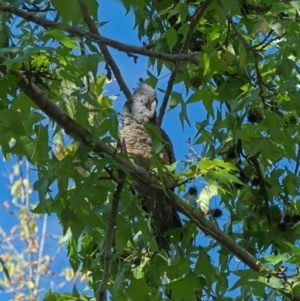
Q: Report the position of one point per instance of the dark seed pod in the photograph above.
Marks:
(281, 226)
(196, 82)
(287, 218)
(217, 212)
(292, 120)
(252, 118)
(192, 191)
(231, 154)
(255, 182)
(254, 115)
(296, 218)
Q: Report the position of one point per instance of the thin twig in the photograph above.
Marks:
(269, 42)
(46, 8)
(88, 81)
(197, 16)
(262, 42)
(101, 296)
(226, 42)
(104, 178)
(298, 160)
(10, 245)
(135, 57)
(41, 252)
(108, 58)
(188, 180)
(111, 174)
(43, 9)
(192, 58)
(197, 156)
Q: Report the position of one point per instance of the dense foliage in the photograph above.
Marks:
(240, 60)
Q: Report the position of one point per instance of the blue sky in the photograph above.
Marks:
(119, 27)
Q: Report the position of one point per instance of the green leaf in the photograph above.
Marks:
(13, 121)
(285, 68)
(175, 99)
(63, 39)
(138, 289)
(183, 115)
(289, 184)
(184, 288)
(81, 191)
(119, 282)
(274, 259)
(5, 270)
(157, 141)
(183, 12)
(206, 63)
(197, 96)
(69, 13)
(272, 281)
(224, 177)
(267, 147)
(225, 165)
(73, 253)
(36, 150)
(171, 36)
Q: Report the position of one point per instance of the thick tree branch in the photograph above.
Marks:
(192, 58)
(197, 16)
(109, 237)
(108, 58)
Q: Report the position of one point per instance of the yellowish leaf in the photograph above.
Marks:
(30, 284)
(228, 57)
(263, 27)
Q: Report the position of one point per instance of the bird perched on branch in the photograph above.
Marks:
(138, 111)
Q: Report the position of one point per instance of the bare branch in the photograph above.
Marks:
(262, 42)
(108, 58)
(46, 8)
(262, 45)
(41, 251)
(192, 58)
(111, 175)
(197, 16)
(109, 237)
